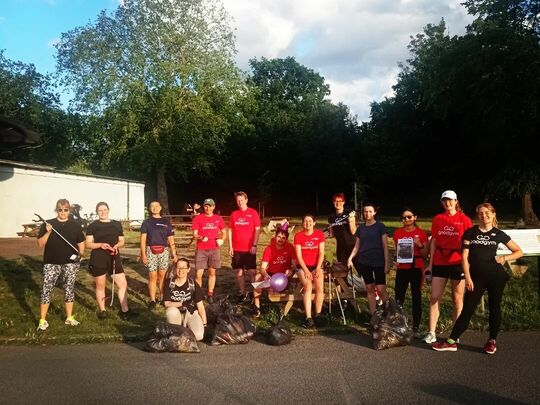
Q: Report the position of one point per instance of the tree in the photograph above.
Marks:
(160, 78)
(29, 97)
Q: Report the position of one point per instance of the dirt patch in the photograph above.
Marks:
(11, 248)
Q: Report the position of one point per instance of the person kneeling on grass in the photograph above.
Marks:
(483, 271)
(183, 299)
(278, 257)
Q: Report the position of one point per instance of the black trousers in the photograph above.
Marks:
(404, 277)
(494, 280)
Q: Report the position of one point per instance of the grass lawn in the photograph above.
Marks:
(20, 282)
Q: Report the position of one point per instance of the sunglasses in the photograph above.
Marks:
(404, 217)
(62, 210)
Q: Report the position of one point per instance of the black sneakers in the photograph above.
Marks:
(309, 324)
(102, 315)
(152, 305)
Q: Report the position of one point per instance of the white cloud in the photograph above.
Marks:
(355, 45)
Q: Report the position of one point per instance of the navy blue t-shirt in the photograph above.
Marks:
(157, 231)
(371, 248)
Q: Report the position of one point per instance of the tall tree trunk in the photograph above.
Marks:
(161, 183)
(527, 210)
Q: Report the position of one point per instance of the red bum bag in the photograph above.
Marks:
(157, 249)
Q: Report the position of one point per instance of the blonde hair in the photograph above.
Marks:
(491, 208)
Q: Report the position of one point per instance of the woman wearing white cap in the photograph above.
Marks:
(447, 230)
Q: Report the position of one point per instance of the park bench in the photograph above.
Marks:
(336, 288)
(29, 230)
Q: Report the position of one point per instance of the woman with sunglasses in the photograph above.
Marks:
(63, 240)
(105, 237)
(483, 271)
(183, 299)
(447, 229)
(372, 255)
(410, 235)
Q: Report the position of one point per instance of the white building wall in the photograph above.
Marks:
(24, 192)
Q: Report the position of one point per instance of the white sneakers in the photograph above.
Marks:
(71, 321)
(43, 325)
(430, 338)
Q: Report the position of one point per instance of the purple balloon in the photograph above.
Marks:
(278, 282)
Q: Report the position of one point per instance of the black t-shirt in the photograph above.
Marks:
(342, 232)
(104, 232)
(57, 251)
(183, 294)
(483, 246)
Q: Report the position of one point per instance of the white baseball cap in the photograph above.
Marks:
(449, 194)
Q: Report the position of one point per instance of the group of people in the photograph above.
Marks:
(456, 250)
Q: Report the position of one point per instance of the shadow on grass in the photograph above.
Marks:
(19, 278)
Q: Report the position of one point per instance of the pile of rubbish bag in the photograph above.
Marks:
(389, 326)
(228, 326)
(172, 338)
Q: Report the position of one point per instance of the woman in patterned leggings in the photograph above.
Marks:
(60, 260)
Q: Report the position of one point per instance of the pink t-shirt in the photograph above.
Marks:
(448, 231)
(279, 260)
(309, 245)
(243, 224)
(209, 227)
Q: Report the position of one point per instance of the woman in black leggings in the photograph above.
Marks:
(410, 236)
(483, 271)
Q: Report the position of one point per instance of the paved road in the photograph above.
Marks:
(311, 370)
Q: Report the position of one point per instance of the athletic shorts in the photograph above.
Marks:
(371, 274)
(453, 272)
(207, 258)
(310, 268)
(157, 262)
(98, 268)
(244, 261)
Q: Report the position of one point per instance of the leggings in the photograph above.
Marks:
(494, 282)
(51, 273)
(192, 321)
(414, 277)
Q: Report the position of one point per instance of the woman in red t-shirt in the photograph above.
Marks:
(447, 229)
(309, 246)
(410, 235)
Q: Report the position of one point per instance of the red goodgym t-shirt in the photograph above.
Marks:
(243, 224)
(309, 245)
(209, 227)
(448, 231)
(401, 233)
(279, 260)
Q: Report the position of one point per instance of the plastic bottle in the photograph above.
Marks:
(427, 276)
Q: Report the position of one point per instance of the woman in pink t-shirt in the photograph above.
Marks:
(309, 246)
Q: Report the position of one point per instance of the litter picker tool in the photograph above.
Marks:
(73, 257)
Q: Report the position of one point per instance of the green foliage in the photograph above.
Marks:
(160, 80)
(29, 97)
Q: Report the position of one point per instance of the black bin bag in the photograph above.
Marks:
(389, 326)
(279, 334)
(172, 338)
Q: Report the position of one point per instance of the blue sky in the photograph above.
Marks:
(355, 44)
(29, 28)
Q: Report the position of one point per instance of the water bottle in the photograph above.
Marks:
(427, 276)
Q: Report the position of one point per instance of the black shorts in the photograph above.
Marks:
(244, 261)
(371, 274)
(100, 267)
(453, 272)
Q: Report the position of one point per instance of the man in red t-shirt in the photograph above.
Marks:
(244, 229)
(278, 257)
(209, 232)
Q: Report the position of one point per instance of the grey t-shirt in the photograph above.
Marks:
(371, 248)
